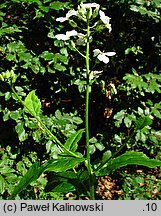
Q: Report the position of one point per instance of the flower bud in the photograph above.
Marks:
(8, 76)
(73, 44)
(72, 23)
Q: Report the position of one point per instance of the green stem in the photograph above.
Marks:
(125, 142)
(79, 52)
(90, 171)
(47, 131)
(81, 182)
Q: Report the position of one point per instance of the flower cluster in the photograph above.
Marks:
(85, 12)
(8, 76)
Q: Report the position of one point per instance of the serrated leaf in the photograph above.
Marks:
(142, 122)
(32, 103)
(128, 158)
(62, 164)
(71, 143)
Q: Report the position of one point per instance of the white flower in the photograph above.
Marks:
(66, 36)
(85, 8)
(103, 56)
(96, 52)
(82, 39)
(68, 15)
(105, 19)
(71, 13)
(61, 19)
(62, 37)
(90, 5)
(92, 74)
(71, 33)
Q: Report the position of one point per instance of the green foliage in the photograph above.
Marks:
(29, 177)
(11, 172)
(140, 186)
(128, 158)
(72, 142)
(45, 111)
(32, 103)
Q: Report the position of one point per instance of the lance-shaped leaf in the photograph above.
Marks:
(129, 158)
(71, 143)
(32, 103)
(62, 164)
(31, 175)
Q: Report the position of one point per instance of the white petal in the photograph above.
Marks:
(61, 37)
(97, 72)
(81, 38)
(90, 5)
(103, 57)
(96, 52)
(80, 35)
(105, 19)
(110, 53)
(71, 13)
(101, 13)
(71, 33)
(61, 19)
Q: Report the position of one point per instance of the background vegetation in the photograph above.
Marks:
(44, 64)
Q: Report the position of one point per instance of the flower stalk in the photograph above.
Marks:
(91, 178)
(87, 12)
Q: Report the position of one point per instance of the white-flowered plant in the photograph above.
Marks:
(87, 24)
